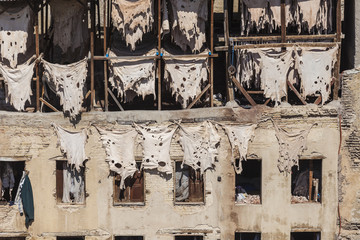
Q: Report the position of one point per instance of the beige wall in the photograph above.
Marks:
(31, 135)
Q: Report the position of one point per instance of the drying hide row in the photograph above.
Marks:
(310, 16)
(187, 19)
(270, 69)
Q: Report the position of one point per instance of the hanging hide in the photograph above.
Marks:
(274, 73)
(156, 147)
(67, 81)
(248, 67)
(291, 145)
(200, 145)
(16, 32)
(255, 15)
(73, 185)
(188, 20)
(120, 152)
(185, 77)
(133, 18)
(133, 77)
(71, 34)
(315, 67)
(72, 146)
(239, 137)
(18, 83)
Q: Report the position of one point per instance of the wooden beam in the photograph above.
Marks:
(279, 45)
(37, 70)
(283, 22)
(243, 91)
(318, 100)
(267, 101)
(296, 92)
(105, 63)
(229, 87)
(212, 51)
(115, 99)
(92, 66)
(198, 97)
(338, 39)
(311, 173)
(278, 38)
(49, 105)
(159, 61)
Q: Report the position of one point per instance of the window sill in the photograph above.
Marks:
(188, 203)
(247, 204)
(129, 204)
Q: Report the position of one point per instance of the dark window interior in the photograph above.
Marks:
(12, 238)
(189, 184)
(71, 238)
(10, 176)
(306, 181)
(247, 236)
(134, 188)
(248, 183)
(189, 237)
(305, 236)
(129, 238)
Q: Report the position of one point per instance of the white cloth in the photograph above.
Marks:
(185, 77)
(18, 200)
(200, 145)
(291, 145)
(120, 152)
(132, 18)
(72, 146)
(133, 77)
(73, 185)
(67, 81)
(156, 147)
(18, 83)
(315, 66)
(16, 32)
(188, 23)
(239, 137)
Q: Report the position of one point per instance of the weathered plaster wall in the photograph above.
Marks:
(30, 135)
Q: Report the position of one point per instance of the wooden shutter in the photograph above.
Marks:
(137, 187)
(59, 180)
(196, 186)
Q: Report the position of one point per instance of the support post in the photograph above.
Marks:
(37, 46)
(338, 39)
(212, 52)
(159, 50)
(311, 174)
(229, 86)
(283, 36)
(105, 62)
(92, 68)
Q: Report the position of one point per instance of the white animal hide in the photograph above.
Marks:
(18, 83)
(133, 77)
(200, 145)
(72, 146)
(315, 66)
(185, 77)
(156, 147)
(188, 23)
(248, 67)
(67, 81)
(70, 25)
(73, 185)
(16, 33)
(239, 137)
(132, 18)
(120, 152)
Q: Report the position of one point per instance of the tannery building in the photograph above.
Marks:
(179, 119)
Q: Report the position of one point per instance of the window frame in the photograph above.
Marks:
(116, 237)
(17, 178)
(246, 233)
(314, 232)
(189, 235)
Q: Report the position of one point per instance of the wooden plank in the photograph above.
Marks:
(243, 91)
(105, 62)
(126, 57)
(229, 86)
(92, 50)
(279, 45)
(199, 96)
(115, 99)
(49, 105)
(296, 92)
(267, 101)
(338, 39)
(212, 51)
(311, 173)
(278, 38)
(159, 61)
(255, 92)
(318, 100)
(37, 70)
(283, 22)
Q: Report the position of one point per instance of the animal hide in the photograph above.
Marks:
(16, 32)
(73, 185)
(18, 83)
(274, 73)
(182, 184)
(156, 147)
(133, 77)
(200, 146)
(248, 67)
(185, 77)
(291, 145)
(120, 152)
(239, 137)
(70, 28)
(315, 67)
(188, 20)
(67, 81)
(132, 18)
(72, 146)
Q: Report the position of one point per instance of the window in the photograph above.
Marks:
(70, 184)
(10, 176)
(305, 236)
(71, 238)
(134, 188)
(247, 236)
(189, 237)
(306, 182)
(189, 184)
(129, 238)
(248, 183)
(12, 238)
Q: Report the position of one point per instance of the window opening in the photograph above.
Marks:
(305, 236)
(10, 176)
(12, 238)
(248, 183)
(189, 237)
(71, 238)
(247, 236)
(306, 182)
(134, 188)
(189, 184)
(129, 238)
(70, 184)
